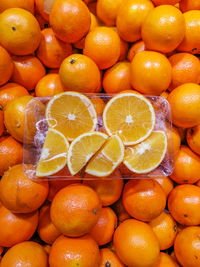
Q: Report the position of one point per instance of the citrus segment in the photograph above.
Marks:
(130, 116)
(83, 148)
(54, 154)
(146, 156)
(105, 161)
(72, 114)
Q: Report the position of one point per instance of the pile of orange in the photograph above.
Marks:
(126, 50)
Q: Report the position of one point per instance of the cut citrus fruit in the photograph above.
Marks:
(106, 160)
(146, 156)
(72, 114)
(83, 148)
(130, 116)
(54, 154)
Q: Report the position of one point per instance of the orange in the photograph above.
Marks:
(191, 41)
(163, 29)
(1, 122)
(28, 5)
(143, 199)
(42, 6)
(147, 65)
(10, 91)
(81, 66)
(26, 254)
(186, 166)
(99, 105)
(109, 258)
(123, 47)
(186, 5)
(81, 251)
(73, 13)
(117, 78)
(92, 6)
(10, 153)
(185, 69)
(28, 70)
(184, 108)
(107, 11)
(6, 66)
(165, 94)
(20, 31)
(16, 228)
(165, 2)
(102, 45)
(48, 85)
(136, 48)
(174, 139)
(130, 18)
(42, 22)
(136, 244)
(165, 229)
(193, 138)
(120, 211)
(184, 204)
(187, 246)
(19, 193)
(78, 219)
(103, 230)
(46, 230)
(166, 260)
(51, 50)
(166, 184)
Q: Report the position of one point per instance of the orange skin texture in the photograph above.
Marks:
(123, 50)
(104, 53)
(49, 85)
(174, 141)
(51, 50)
(184, 204)
(185, 69)
(19, 193)
(28, 4)
(117, 78)
(135, 48)
(6, 66)
(186, 5)
(165, 2)
(67, 252)
(11, 153)
(77, 219)
(1, 122)
(20, 31)
(129, 251)
(163, 29)
(187, 246)
(184, 108)
(147, 65)
(28, 70)
(120, 211)
(74, 11)
(193, 139)
(136, 202)
(10, 91)
(109, 257)
(16, 228)
(39, 4)
(191, 41)
(166, 260)
(99, 105)
(46, 229)
(165, 228)
(81, 66)
(166, 184)
(27, 254)
(104, 229)
(131, 15)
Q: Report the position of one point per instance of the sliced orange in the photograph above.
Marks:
(83, 148)
(72, 114)
(131, 116)
(106, 160)
(146, 156)
(54, 154)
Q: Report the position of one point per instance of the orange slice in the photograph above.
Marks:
(54, 154)
(130, 116)
(146, 156)
(72, 114)
(106, 160)
(83, 148)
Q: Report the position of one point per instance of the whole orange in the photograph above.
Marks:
(109, 258)
(6, 66)
(135, 48)
(186, 5)
(193, 138)
(28, 4)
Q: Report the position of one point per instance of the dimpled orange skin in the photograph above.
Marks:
(147, 65)
(163, 29)
(187, 246)
(184, 204)
(193, 139)
(136, 48)
(20, 31)
(186, 5)
(70, 20)
(131, 252)
(109, 257)
(81, 251)
(184, 108)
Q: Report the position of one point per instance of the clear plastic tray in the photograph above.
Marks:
(36, 124)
